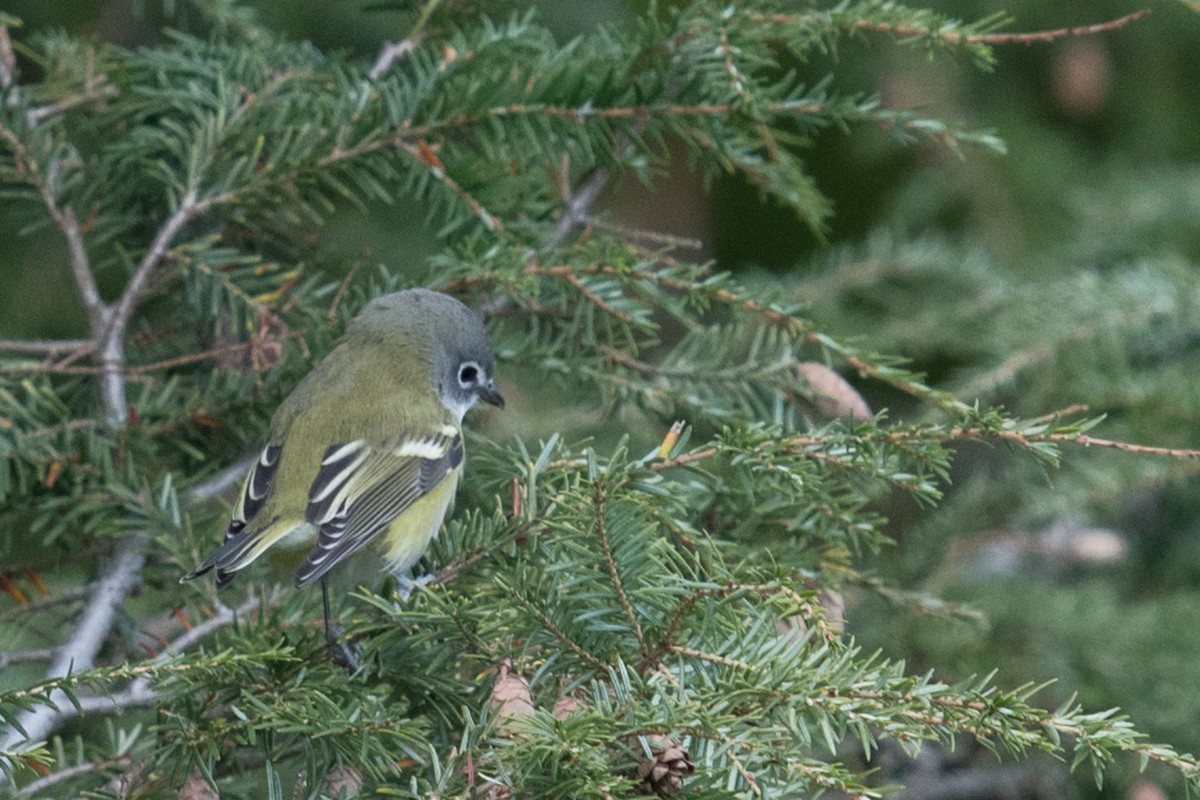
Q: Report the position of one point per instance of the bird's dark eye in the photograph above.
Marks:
(468, 374)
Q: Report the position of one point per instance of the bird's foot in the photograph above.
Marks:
(344, 654)
(405, 585)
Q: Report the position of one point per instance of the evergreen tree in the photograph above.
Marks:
(620, 605)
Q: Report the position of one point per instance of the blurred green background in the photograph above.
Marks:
(1063, 273)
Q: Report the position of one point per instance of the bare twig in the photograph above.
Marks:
(666, 240)
(24, 656)
(139, 692)
(389, 54)
(108, 324)
(111, 339)
(222, 481)
(578, 208)
(8, 60)
(48, 347)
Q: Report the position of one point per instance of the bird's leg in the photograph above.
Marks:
(406, 585)
(330, 639)
(342, 653)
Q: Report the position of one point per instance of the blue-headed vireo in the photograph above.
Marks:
(368, 446)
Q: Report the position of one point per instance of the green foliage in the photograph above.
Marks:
(681, 598)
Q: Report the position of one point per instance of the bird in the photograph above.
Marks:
(368, 447)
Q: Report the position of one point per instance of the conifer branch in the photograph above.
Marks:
(91, 94)
(554, 630)
(78, 653)
(42, 720)
(60, 597)
(427, 157)
(614, 574)
(68, 225)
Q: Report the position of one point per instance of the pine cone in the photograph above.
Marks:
(196, 788)
(830, 393)
(511, 697)
(663, 775)
(343, 782)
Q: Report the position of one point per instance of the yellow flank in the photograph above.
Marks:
(402, 542)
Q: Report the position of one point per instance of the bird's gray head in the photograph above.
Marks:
(459, 350)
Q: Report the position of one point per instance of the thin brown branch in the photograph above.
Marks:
(408, 137)
(596, 299)
(582, 115)
(343, 287)
(685, 606)
(59, 368)
(955, 37)
(896, 437)
(60, 597)
(54, 778)
(667, 240)
(1058, 33)
(746, 774)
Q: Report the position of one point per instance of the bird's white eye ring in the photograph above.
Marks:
(468, 374)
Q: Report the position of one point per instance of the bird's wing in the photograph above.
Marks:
(361, 487)
(235, 547)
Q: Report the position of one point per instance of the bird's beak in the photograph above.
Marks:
(490, 395)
